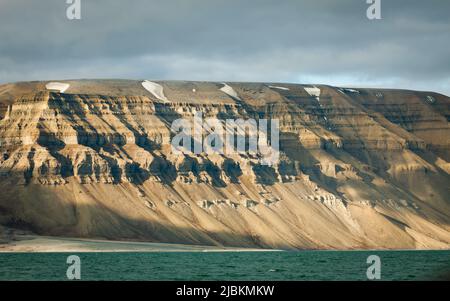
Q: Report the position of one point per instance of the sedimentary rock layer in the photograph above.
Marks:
(358, 168)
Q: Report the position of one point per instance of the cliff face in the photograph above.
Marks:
(358, 168)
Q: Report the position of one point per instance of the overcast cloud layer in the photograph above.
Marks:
(322, 41)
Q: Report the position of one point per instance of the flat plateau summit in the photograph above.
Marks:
(358, 168)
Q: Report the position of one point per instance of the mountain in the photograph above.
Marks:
(357, 169)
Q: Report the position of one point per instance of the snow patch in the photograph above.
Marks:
(156, 89)
(61, 87)
(313, 91)
(279, 88)
(348, 90)
(229, 90)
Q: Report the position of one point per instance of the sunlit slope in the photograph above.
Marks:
(359, 168)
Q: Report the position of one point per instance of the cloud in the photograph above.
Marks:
(326, 41)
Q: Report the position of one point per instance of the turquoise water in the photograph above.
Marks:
(303, 265)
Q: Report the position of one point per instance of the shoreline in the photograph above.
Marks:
(54, 244)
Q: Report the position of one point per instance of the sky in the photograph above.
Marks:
(318, 41)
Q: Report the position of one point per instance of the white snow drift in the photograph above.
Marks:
(229, 90)
(348, 90)
(156, 89)
(313, 91)
(61, 87)
(279, 88)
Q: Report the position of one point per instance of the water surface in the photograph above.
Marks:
(302, 265)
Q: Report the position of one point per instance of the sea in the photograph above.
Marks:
(230, 265)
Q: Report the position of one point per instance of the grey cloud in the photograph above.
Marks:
(260, 40)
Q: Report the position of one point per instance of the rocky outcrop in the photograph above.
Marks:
(96, 160)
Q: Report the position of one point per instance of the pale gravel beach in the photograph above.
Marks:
(33, 243)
